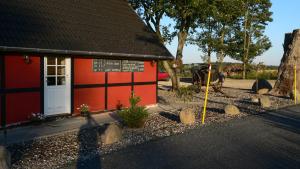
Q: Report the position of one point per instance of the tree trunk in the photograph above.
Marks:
(245, 56)
(182, 35)
(209, 55)
(221, 54)
(244, 70)
(172, 74)
(291, 57)
(166, 64)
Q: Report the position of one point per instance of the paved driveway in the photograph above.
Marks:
(265, 141)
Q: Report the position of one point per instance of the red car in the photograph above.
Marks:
(162, 75)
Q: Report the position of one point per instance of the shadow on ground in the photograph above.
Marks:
(88, 140)
(170, 116)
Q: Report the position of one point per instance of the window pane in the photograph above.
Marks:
(61, 80)
(61, 70)
(51, 81)
(51, 70)
(51, 61)
(61, 61)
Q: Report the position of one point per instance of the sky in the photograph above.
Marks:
(286, 18)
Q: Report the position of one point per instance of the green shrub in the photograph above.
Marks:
(265, 74)
(186, 93)
(134, 116)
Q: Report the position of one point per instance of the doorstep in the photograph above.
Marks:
(30, 132)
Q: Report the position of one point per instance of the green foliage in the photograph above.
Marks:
(234, 28)
(152, 12)
(266, 74)
(186, 93)
(249, 34)
(135, 115)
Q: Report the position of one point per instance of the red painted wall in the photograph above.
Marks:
(119, 77)
(21, 75)
(84, 74)
(118, 95)
(93, 97)
(147, 93)
(149, 73)
(19, 106)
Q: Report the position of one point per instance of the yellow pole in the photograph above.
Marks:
(295, 83)
(206, 95)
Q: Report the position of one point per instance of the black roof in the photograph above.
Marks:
(78, 27)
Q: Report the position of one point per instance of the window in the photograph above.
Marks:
(56, 71)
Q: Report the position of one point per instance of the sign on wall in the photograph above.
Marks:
(103, 65)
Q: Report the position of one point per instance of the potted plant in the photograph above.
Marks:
(36, 118)
(84, 110)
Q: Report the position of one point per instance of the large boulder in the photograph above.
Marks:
(112, 134)
(264, 101)
(187, 116)
(5, 158)
(261, 86)
(231, 110)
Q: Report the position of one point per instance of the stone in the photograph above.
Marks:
(264, 101)
(112, 134)
(262, 84)
(231, 110)
(254, 99)
(187, 116)
(5, 158)
(263, 91)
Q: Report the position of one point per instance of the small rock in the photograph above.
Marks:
(187, 116)
(112, 134)
(263, 91)
(5, 158)
(231, 110)
(265, 101)
(254, 99)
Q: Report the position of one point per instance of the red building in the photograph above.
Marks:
(57, 55)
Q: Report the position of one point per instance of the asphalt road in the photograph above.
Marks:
(268, 141)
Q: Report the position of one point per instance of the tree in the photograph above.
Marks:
(226, 19)
(152, 12)
(185, 13)
(205, 36)
(215, 28)
(256, 16)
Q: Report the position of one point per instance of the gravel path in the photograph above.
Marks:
(56, 151)
(265, 141)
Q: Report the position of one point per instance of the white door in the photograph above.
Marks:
(57, 88)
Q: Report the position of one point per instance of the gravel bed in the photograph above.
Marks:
(57, 151)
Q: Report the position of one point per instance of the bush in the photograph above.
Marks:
(134, 116)
(187, 93)
(265, 74)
